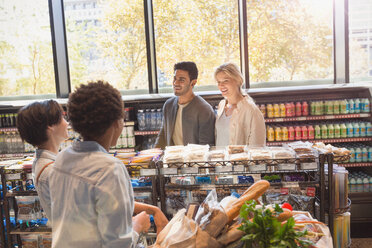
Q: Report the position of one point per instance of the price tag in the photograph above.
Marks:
(309, 166)
(279, 120)
(302, 118)
(227, 168)
(329, 117)
(310, 191)
(284, 191)
(16, 176)
(148, 172)
(190, 170)
(239, 167)
(168, 171)
(291, 185)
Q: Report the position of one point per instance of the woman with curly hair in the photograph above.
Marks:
(91, 192)
(42, 125)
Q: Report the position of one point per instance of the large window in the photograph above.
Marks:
(106, 40)
(290, 42)
(360, 40)
(206, 32)
(26, 57)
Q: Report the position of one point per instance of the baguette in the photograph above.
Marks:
(252, 193)
(285, 215)
(231, 235)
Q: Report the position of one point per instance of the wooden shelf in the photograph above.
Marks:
(341, 140)
(318, 117)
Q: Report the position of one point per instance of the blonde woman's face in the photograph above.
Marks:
(227, 85)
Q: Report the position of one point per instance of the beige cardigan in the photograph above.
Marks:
(247, 125)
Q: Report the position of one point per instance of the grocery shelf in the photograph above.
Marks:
(128, 123)
(32, 230)
(15, 155)
(341, 140)
(21, 193)
(143, 189)
(318, 117)
(366, 164)
(234, 186)
(8, 129)
(141, 133)
(121, 150)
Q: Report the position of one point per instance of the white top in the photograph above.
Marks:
(92, 199)
(247, 125)
(177, 133)
(222, 125)
(42, 158)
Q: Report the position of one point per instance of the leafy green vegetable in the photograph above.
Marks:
(265, 231)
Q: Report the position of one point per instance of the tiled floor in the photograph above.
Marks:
(361, 243)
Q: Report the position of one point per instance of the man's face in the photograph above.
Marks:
(181, 83)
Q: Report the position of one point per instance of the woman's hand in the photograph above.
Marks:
(160, 220)
(141, 222)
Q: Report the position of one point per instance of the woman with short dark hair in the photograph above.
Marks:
(42, 125)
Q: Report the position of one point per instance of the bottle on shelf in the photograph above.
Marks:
(270, 110)
(284, 133)
(356, 129)
(324, 131)
(351, 106)
(288, 109)
(310, 131)
(263, 110)
(369, 129)
(329, 107)
(298, 108)
(305, 108)
(298, 133)
(362, 128)
(304, 133)
(337, 131)
(350, 130)
(312, 108)
(291, 133)
(331, 131)
(357, 105)
(364, 154)
(141, 119)
(343, 130)
(336, 107)
(343, 107)
(282, 110)
(276, 110)
(317, 132)
(278, 134)
(358, 155)
(366, 106)
(270, 134)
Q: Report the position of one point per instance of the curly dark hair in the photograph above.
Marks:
(92, 108)
(188, 66)
(34, 119)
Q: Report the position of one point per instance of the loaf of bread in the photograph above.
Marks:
(232, 234)
(285, 215)
(252, 193)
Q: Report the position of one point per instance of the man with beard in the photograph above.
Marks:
(188, 118)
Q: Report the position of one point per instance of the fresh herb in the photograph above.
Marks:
(265, 231)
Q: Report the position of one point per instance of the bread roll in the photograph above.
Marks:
(285, 215)
(253, 192)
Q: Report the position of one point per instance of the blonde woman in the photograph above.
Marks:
(239, 121)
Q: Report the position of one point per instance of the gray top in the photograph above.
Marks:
(222, 127)
(198, 121)
(92, 199)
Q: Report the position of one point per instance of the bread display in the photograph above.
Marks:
(232, 149)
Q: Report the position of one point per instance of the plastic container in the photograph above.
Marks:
(324, 131)
(284, 133)
(282, 110)
(288, 109)
(356, 129)
(343, 131)
(337, 131)
(351, 106)
(304, 133)
(270, 110)
(349, 130)
(311, 134)
(305, 108)
(276, 110)
(343, 107)
(270, 134)
(357, 105)
(298, 109)
(317, 132)
(331, 131)
(366, 106)
(291, 133)
(369, 129)
(278, 134)
(298, 133)
(336, 107)
(141, 120)
(364, 154)
(362, 128)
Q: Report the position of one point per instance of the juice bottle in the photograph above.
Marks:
(357, 105)
(304, 133)
(263, 110)
(347, 106)
(322, 107)
(318, 108)
(324, 131)
(270, 110)
(358, 155)
(369, 129)
(351, 106)
(367, 105)
(311, 133)
(284, 134)
(298, 133)
(362, 127)
(329, 107)
(337, 131)
(364, 154)
(298, 109)
(352, 155)
(336, 107)
(331, 131)
(370, 154)
(343, 107)
(288, 109)
(278, 134)
(318, 133)
(343, 130)
(270, 134)
(356, 131)
(349, 130)
(276, 110)
(282, 110)
(291, 133)
(305, 108)
(293, 109)
(312, 108)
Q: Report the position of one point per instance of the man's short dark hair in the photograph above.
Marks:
(34, 119)
(92, 108)
(188, 66)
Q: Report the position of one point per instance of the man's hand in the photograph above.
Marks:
(141, 222)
